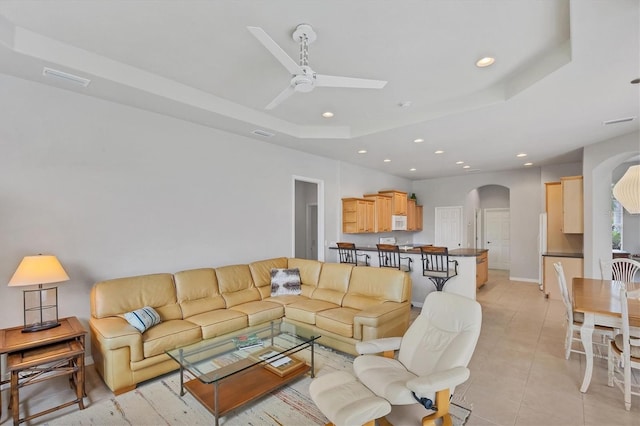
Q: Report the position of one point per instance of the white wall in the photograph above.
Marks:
(115, 191)
(524, 203)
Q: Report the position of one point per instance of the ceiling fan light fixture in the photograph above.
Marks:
(485, 62)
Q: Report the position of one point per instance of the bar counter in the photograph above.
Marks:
(464, 283)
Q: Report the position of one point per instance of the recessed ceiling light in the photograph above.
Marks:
(413, 169)
(404, 104)
(485, 62)
(386, 160)
(362, 151)
(522, 154)
(327, 114)
(528, 164)
(419, 140)
(459, 162)
(439, 152)
(465, 167)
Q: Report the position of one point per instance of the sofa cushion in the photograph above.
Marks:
(285, 281)
(169, 335)
(120, 295)
(219, 322)
(236, 285)
(197, 291)
(309, 273)
(261, 273)
(143, 318)
(338, 320)
(259, 312)
(305, 311)
(333, 283)
(370, 286)
(286, 299)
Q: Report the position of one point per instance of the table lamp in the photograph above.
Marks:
(41, 305)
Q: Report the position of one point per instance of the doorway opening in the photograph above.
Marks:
(308, 218)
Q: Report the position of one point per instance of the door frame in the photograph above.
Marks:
(319, 202)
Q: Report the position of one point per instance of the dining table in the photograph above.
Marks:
(599, 301)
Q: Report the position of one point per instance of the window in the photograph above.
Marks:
(616, 224)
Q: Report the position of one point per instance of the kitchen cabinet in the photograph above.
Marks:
(358, 215)
(411, 215)
(572, 205)
(572, 267)
(482, 269)
(557, 240)
(398, 202)
(414, 216)
(382, 211)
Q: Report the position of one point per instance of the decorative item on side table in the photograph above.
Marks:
(40, 305)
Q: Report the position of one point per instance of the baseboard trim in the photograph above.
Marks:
(527, 280)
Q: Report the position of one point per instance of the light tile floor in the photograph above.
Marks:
(518, 372)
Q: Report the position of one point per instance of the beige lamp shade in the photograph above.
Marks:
(38, 270)
(627, 190)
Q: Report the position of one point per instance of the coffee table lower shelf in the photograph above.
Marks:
(240, 388)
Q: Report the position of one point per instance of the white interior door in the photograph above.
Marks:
(497, 237)
(448, 230)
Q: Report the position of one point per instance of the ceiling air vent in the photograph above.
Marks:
(65, 76)
(263, 133)
(617, 121)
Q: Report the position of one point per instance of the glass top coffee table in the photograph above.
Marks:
(244, 366)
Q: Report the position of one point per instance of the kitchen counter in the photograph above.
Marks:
(408, 248)
(467, 252)
(464, 283)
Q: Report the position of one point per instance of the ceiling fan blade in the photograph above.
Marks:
(275, 50)
(281, 97)
(348, 82)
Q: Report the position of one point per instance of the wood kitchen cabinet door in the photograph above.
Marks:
(572, 205)
(357, 215)
(382, 213)
(398, 202)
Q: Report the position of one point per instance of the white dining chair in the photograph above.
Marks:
(624, 352)
(620, 269)
(575, 320)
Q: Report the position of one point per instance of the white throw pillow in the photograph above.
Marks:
(143, 318)
(285, 281)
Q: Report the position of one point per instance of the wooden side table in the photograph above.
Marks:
(42, 355)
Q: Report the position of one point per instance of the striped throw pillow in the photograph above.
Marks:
(143, 318)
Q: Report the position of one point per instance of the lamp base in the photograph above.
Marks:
(40, 326)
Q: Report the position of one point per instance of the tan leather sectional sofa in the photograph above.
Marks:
(342, 303)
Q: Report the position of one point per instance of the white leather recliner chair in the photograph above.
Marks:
(431, 361)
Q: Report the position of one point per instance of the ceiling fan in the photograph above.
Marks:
(304, 79)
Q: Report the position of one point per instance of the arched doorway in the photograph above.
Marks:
(491, 229)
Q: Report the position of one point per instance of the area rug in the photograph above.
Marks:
(158, 402)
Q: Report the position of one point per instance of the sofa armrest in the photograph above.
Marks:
(375, 346)
(114, 333)
(438, 381)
